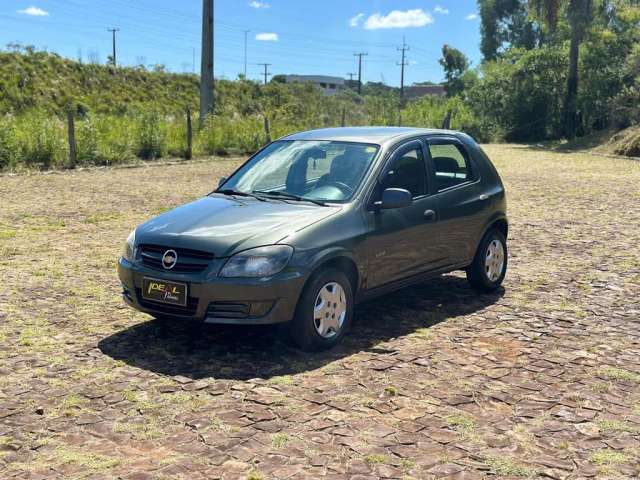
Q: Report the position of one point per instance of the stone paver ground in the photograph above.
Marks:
(435, 381)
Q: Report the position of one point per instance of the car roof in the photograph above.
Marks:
(376, 135)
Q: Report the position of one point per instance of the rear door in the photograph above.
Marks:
(460, 203)
(404, 242)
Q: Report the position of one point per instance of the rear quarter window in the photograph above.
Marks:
(451, 165)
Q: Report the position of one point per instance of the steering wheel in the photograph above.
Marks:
(342, 186)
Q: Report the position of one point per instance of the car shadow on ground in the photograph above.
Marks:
(200, 351)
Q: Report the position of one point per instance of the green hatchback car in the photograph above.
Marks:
(318, 221)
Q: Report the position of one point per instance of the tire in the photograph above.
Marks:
(307, 326)
(482, 274)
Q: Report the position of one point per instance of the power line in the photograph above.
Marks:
(114, 60)
(266, 71)
(360, 55)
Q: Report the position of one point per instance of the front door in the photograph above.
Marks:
(404, 242)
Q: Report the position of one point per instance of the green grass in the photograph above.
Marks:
(608, 457)
(375, 459)
(391, 391)
(615, 373)
(509, 466)
(85, 460)
(465, 425)
(7, 233)
(606, 426)
(279, 440)
(281, 380)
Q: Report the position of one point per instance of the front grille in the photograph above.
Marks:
(189, 310)
(228, 310)
(189, 261)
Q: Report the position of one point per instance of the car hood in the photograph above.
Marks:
(224, 225)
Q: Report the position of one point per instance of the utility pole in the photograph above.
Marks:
(113, 31)
(360, 55)
(206, 66)
(404, 49)
(266, 71)
(351, 75)
(246, 32)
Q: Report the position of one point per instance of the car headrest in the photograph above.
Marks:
(446, 164)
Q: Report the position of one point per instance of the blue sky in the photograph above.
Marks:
(295, 36)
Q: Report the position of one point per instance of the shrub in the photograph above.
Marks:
(116, 138)
(151, 135)
(87, 142)
(41, 140)
(8, 142)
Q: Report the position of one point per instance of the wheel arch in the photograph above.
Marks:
(343, 261)
(498, 221)
(501, 224)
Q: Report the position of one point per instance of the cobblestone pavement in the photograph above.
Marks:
(435, 381)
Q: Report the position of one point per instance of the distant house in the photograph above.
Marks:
(328, 85)
(417, 91)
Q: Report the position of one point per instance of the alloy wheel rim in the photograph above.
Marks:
(494, 260)
(330, 310)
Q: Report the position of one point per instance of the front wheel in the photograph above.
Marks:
(324, 311)
(489, 266)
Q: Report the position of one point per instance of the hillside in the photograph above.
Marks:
(30, 79)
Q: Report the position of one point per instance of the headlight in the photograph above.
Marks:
(130, 247)
(258, 262)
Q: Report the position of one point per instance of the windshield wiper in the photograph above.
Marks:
(289, 196)
(228, 191)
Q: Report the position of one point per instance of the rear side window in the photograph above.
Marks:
(450, 165)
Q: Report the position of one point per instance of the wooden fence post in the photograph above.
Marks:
(343, 121)
(446, 122)
(189, 152)
(267, 132)
(71, 128)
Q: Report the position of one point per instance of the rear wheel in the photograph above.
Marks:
(324, 311)
(489, 266)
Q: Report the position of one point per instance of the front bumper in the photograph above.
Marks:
(212, 299)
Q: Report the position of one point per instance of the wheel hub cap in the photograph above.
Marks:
(494, 260)
(330, 310)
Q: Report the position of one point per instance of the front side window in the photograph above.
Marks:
(450, 165)
(407, 171)
(317, 170)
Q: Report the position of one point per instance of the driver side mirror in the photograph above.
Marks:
(394, 198)
(221, 181)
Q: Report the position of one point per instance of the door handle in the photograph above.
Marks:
(429, 215)
(484, 196)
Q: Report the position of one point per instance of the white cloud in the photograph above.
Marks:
(34, 12)
(471, 16)
(355, 21)
(267, 37)
(399, 19)
(441, 10)
(258, 4)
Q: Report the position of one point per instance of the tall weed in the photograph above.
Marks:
(151, 135)
(41, 140)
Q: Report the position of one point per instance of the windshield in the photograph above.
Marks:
(313, 170)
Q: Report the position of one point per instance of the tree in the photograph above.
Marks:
(579, 16)
(455, 64)
(506, 22)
